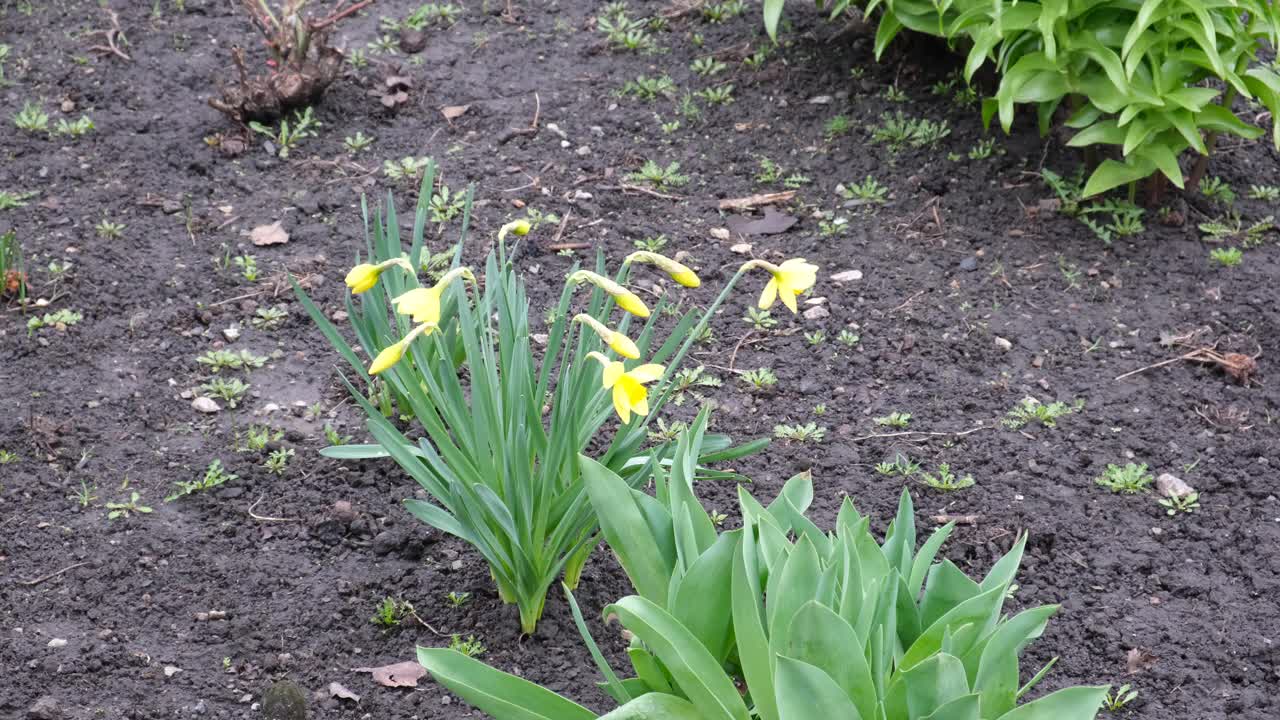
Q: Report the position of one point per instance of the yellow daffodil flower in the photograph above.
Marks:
(392, 354)
(517, 227)
(626, 299)
(790, 279)
(678, 272)
(616, 341)
(629, 392)
(364, 276)
(423, 304)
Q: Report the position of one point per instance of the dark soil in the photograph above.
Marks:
(953, 261)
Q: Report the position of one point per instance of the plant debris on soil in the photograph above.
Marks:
(955, 303)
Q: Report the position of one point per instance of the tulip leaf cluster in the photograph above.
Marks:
(1130, 74)
(781, 621)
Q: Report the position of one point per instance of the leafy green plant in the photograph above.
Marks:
(288, 135)
(658, 176)
(357, 143)
(269, 318)
(219, 360)
(900, 132)
(278, 461)
(1217, 190)
(760, 320)
(501, 423)
(31, 118)
(471, 647)
(848, 338)
(248, 265)
(816, 337)
(1111, 64)
(625, 33)
(255, 438)
(760, 379)
(688, 380)
(446, 206)
(718, 95)
(8, 457)
(108, 229)
(894, 419)
(1264, 192)
(1180, 503)
(1232, 228)
(230, 390)
(391, 612)
(126, 508)
(406, 168)
(837, 126)
(59, 320)
(457, 599)
(901, 465)
(648, 89)
(1227, 257)
(214, 476)
(707, 66)
(74, 129)
(1130, 479)
(945, 479)
(651, 243)
(1121, 697)
(809, 432)
(1030, 409)
(828, 625)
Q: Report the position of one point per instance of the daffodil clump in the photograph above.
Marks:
(496, 421)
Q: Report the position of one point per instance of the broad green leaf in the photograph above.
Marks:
(996, 680)
(925, 687)
(961, 708)
(1075, 703)
(503, 696)
(981, 610)
(947, 587)
(772, 13)
(703, 603)
(823, 639)
(624, 526)
(1111, 174)
(753, 641)
(806, 692)
(924, 559)
(656, 706)
(1163, 157)
(698, 674)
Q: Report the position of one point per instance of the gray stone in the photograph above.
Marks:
(1172, 486)
(284, 701)
(46, 708)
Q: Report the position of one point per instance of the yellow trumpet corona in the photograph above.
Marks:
(678, 271)
(423, 304)
(789, 280)
(616, 341)
(630, 396)
(626, 299)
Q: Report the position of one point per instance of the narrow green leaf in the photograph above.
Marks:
(503, 696)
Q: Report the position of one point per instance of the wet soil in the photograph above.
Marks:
(970, 295)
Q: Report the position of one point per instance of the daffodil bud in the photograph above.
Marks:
(678, 272)
(392, 354)
(364, 276)
(518, 227)
(616, 341)
(626, 299)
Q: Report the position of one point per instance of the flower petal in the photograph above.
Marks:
(646, 373)
(612, 372)
(769, 295)
(788, 296)
(620, 404)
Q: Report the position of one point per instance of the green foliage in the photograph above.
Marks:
(1227, 257)
(357, 143)
(230, 390)
(214, 476)
(59, 320)
(812, 625)
(76, 129)
(761, 320)
(658, 176)
(471, 647)
(219, 360)
(869, 191)
(126, 508)
(1029, 410)
(31, 118)
(760, 379)
(1180, 503)
(900, 132)
(278, 461)
(1146, 79)
(894, 419)
(1121, 697)
(289, 135)
(649, 89)
(809, 432)
(391, 612)
(1130, 479)
(946, 480)
(497, 421)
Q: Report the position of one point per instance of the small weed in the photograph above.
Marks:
(446, 206)
(848, 338)
(470, 647)
(1130, 479)
(269, 318)
(665, 433)
(1232, 228)
(769, 172)
(901, 466)
(755, 61)
(457, 599)
(256, 438)
(809, 432)
(653, 244)
(128, 507)
(288, 136)
(8, 457)
(761, 379)
(248, 265)
(894, 419)
(718, 95)
(899, 131)
(1188, 503)
(357, 143)
(1217, 190)
(659, 176)
(219, 360)
(817, 337)
(946, 480)
(985, 149)
(10, 200)
(74, 130)
(85, 496)
(390, 613)
(278, 461)
(869, 191)
(1029, 410)
(1122, 696)
(894, 94)
(332, 436)
(59, 320)
(230, 390)
(1227, 257)
(108, 230)
(687, 379)
(648, 89)
(406, 168)
(837, 126)
(1264, 192)
(761, 320)
(214, 476)
(31, 118)
(707, 66)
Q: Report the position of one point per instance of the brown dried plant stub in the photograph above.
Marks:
(302, 63)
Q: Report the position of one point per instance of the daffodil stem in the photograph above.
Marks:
(693, 336)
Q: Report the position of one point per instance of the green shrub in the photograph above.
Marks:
(1131, 74)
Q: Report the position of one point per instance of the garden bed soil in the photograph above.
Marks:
(972, 294)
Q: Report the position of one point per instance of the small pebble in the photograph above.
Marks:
(205, 405)
(1003, 344)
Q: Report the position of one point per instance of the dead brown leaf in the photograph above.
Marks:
(273, 234)
(1138, 660)
(453, 112)
(338, 691)
(401, 674)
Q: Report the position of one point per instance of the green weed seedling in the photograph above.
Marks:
(1130, 479)
(1227, 257)
(809, 432)
(128, 507)
(946, 480)
(894, 419)
(457, 599)
(761, 379)
(687, 380)
(1029, 410)
(1188, 503)
(59, 320)
(214, 476)
(760, 320)
(1120, 697)
(658, 176)
(229, 390)
(390, 613)
(471, 647)
(289, 135)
